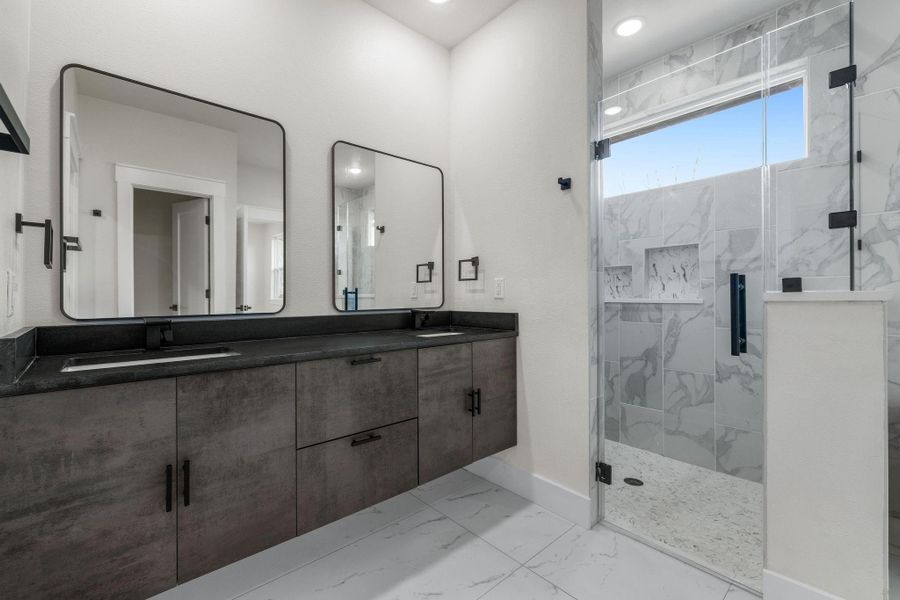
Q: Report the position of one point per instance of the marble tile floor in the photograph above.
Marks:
(712, 519)
(459, 537)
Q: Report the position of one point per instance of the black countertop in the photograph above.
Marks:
(44, 373)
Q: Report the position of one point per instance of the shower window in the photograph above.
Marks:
(717, 140)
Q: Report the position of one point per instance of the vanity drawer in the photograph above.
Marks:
(342, 396)
(340, 477)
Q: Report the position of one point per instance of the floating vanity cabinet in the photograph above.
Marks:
(342, 476)
(494, 380)
(84, 509)
(236, 466)
(445, 410)
(467, 404)
(342, 396)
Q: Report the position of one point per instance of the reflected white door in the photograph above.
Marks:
(190, 250)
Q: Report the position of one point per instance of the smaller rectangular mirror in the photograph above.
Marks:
(171, 206)
(388, 231)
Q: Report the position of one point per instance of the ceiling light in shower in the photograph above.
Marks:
(354, 170)
(439, 1)
(629, 26)
(612, 111)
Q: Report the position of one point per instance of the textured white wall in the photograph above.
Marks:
(826, 441)
(518, 122)
(327, 70)
(14, 78)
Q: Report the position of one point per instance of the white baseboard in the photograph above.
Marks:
(780, 587)
(552, 496)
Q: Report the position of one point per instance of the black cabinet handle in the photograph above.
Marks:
(169, 476)
(372, 437)
(186, 492)
(738, 289)
(478, 401)
(471, 407)
(365, 361)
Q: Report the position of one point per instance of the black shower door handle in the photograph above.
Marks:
(738, 287)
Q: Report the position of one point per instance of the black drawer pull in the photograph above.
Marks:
(365, 361)
(471, 408)
(477, 401)
(169, 474)
(372, 437)
(186, 492)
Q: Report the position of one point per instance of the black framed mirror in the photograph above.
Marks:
(387, 230)
(170, 206)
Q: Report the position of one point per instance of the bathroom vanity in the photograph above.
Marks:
(121, 482)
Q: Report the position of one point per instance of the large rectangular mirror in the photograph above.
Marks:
(170, 205)
(388, 231)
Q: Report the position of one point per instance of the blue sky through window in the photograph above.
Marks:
(712, 144)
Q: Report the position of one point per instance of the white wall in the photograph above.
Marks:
(259, 186)
(14, 33)
(407, 204)
(327, 70)
(518, 122)
(826, 447)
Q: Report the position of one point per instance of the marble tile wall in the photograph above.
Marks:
(878, 120)
(671, 386)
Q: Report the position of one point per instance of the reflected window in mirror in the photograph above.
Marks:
(388, 221)
(177, 203)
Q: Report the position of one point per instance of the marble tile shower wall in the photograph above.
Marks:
(671, 385)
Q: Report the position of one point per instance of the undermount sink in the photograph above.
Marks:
(438, 334)
(140, 357)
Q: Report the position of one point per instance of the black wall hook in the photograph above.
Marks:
(565, 183)
(47, 226)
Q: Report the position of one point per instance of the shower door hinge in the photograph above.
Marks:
(206, 219)
(859, 156)
(842, 77)
(603, 473)
(601, 149)
(842, 220)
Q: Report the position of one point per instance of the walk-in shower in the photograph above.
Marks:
(726, 159)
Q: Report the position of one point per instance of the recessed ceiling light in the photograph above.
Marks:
(629, 26)
(439, 1)
(613, 110)
(354, 170)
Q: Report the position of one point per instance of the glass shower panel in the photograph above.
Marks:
(802, 192)
(682, 213)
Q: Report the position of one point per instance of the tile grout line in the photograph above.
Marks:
(315, 560)
(560, 588)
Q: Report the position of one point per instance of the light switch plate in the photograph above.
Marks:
(499, 288)
(413, 291)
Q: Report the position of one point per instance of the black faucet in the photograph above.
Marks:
(420, 318)
(158, 331)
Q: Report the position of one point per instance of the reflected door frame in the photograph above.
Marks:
(129, 178)
(247, 214)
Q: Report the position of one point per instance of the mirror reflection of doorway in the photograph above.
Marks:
(260, 259)
(171, 253)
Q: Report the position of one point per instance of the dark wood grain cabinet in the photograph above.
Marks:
(342, 476)
(467, 404)
(342, 396)
(236, 462)
(124, 491)
(83, 493)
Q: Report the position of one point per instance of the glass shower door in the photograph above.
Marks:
(726, 160)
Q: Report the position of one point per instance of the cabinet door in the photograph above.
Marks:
(343, 476)
(236, 429)
(495, 377)
(83, 493)
(342, 396)
(445, 418)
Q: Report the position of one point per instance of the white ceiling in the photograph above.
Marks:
(670, 25)
(447, 24)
